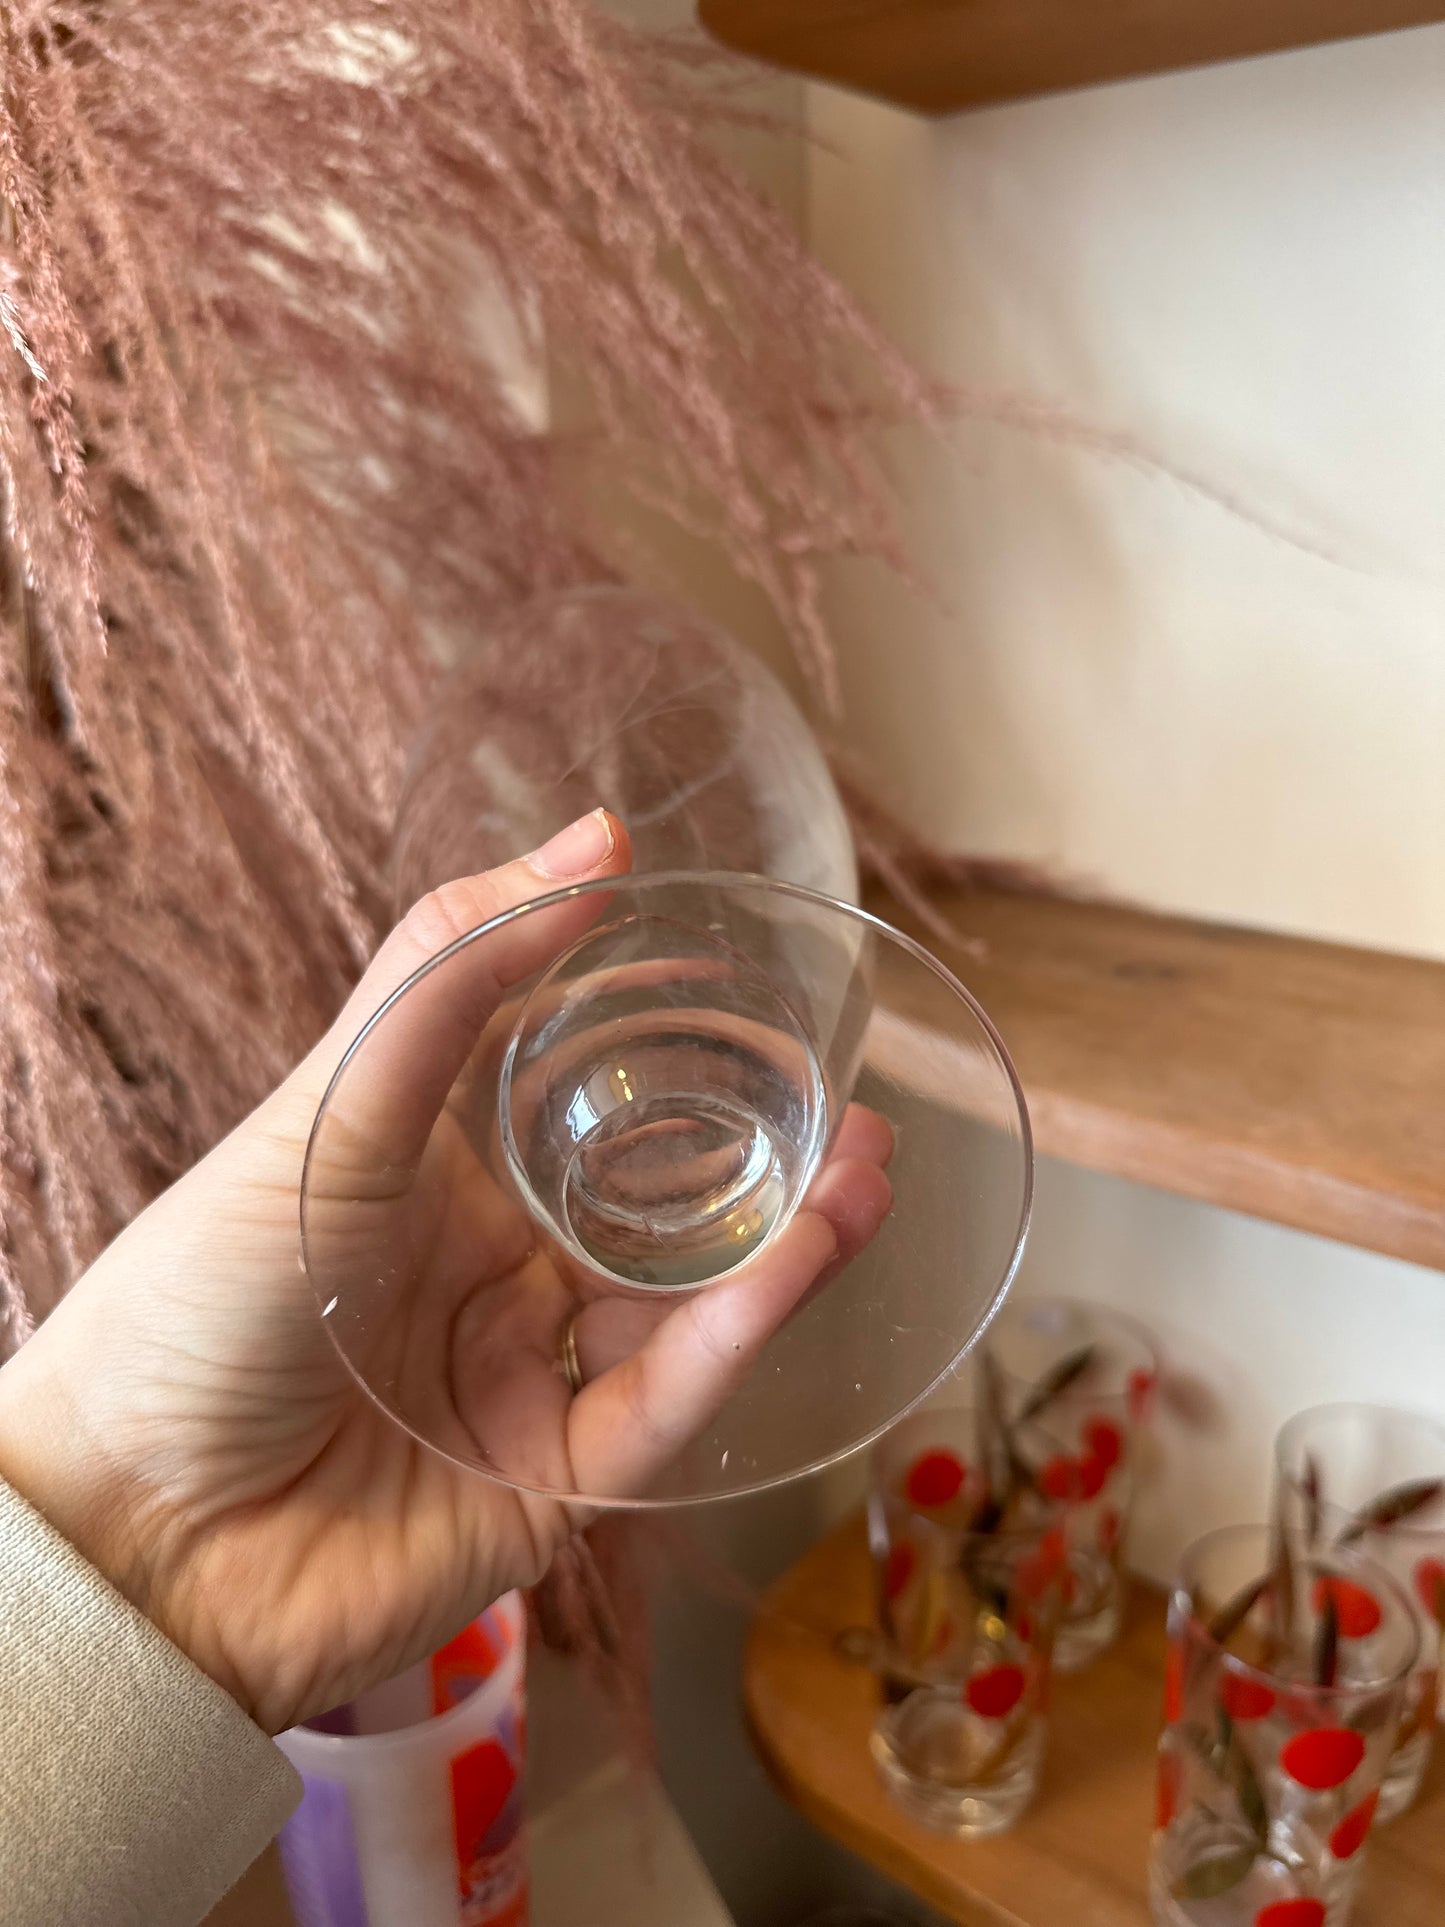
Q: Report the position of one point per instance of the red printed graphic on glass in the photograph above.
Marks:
(1357, 1611)
(459, 1667)
(994, 1694)
(935, 1479)
(1245, 1699)
(1104, 1442)
(1324, 1757)
(487, 1808)
(1291, 1913)
(1349, 1836)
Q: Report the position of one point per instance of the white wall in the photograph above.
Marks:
(1242, 267)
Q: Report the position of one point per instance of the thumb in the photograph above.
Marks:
(395, 1088)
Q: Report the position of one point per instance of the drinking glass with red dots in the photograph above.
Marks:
(1278, 1730)
(1090, 1375)
(1373, 1478)
(969, 1557)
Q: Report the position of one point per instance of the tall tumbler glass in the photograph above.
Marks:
(1373, 1478)
(1278, 1731)
(968, 1569)
(1089, 1375)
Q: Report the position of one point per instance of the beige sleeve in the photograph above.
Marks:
(133, 1791)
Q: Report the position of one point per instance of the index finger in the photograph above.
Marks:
(385, 1068)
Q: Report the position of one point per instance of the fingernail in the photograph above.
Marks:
(576, 850)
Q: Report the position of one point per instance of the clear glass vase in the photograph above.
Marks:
(609, 696)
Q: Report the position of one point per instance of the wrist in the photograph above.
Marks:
(51, 1455)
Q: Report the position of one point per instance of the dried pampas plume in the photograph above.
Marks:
(256, 469)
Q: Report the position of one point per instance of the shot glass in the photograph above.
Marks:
(1278, 1729)
(969, 1561)
(1088, 1375)
(1372, 1478)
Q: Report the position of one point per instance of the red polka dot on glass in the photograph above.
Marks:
(1292, 1913)
(934, 1479)
(1357, 1612)
(1245, 1699)
(1054, 1550)
(1174, 1683)
(1323, 1757)
(1059, 1477)
(1111, 1530)
(1429, 1576)
(1104, 1441)
(994, 1695)
(1038, 1569)
(898, 1569)
(1141, 1394)
(1166, 1789)
(1349, 1836)
(1031, 1577)
(1093, 1475)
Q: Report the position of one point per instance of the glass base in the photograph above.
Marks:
(1080, 1641)
(1236, 1909)
(1195, 1879)
(926, 1751)
(1403, 1776)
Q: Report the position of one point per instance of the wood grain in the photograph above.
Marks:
(940, 55)
(1300, 1082)
(1079, 1855)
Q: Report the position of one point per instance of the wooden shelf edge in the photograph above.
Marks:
(1249, 1182)
(937, 58)
(1292, 1080)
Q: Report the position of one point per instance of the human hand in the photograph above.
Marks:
(185, 1421)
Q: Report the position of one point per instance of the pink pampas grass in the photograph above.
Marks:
(255, 469)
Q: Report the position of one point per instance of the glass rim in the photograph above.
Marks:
(1178, 1590)
(1299, 1423)
(1136, 1329)
(1011, 1537)
(421, 1736)
(731, 882)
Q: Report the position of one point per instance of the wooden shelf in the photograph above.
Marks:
(1299, 1082)
(1079, 1854)
(940, 55)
